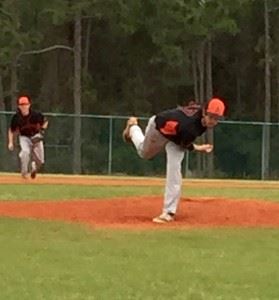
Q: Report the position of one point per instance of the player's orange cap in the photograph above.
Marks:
(216, 107)
(23, 100)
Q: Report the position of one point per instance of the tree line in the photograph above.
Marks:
(122, 57)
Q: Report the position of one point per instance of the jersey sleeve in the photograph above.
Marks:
(188, 137)
(190, 147)
(41, 119)
(14, 123)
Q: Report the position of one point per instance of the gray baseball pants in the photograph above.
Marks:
(148, 146)
(30, 152)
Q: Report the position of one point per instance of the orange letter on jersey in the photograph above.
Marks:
(169, 128)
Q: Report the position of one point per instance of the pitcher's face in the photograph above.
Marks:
(209, 120)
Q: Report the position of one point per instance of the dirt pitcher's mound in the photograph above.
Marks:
(137, 212)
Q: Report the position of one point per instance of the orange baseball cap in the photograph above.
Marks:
(216, 107)
(23, 100)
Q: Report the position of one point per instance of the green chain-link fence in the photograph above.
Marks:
(238, 149)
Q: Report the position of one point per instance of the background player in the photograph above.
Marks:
(29, 126)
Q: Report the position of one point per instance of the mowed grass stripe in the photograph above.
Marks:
(69, 192)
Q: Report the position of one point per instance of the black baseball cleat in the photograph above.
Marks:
(33, 174)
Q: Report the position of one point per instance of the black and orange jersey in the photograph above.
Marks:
(27, 125)
(181, 125)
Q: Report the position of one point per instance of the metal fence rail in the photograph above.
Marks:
(239, 149)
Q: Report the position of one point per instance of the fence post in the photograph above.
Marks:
(110, 147)
(263, 154)
(265, 151)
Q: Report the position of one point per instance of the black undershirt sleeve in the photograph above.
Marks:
(14, 123)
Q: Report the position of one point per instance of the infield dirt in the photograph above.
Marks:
(137, 212)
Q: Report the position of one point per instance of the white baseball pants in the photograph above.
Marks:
(148, 146)
(30, 152)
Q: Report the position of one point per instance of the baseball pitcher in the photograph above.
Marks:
(175, 131)
(29, 126)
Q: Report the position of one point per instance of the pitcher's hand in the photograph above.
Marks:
(11, 146)
(207, 148)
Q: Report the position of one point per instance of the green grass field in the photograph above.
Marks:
(65, 192)
(53, 260)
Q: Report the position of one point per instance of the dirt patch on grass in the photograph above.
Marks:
(137, 212)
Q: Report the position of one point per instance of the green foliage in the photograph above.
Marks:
(10, 39)
(139, 53)
(134, 45)
(240, 154)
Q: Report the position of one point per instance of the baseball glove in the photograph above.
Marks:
(38, 137)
